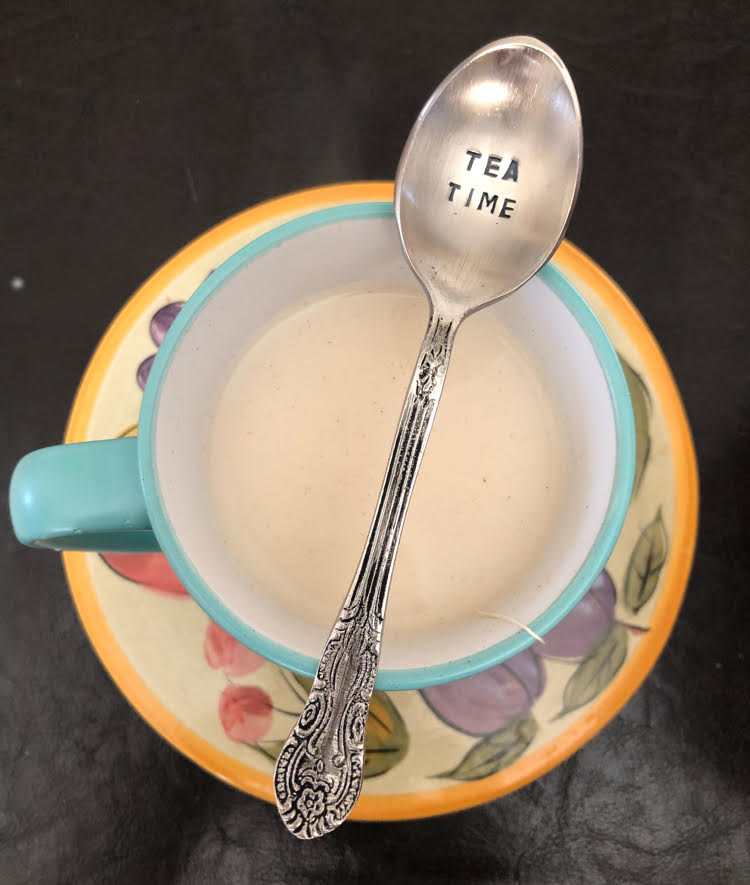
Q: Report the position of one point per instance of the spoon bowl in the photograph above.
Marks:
(490, 173)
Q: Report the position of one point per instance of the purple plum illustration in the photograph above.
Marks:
(484, 703)
(143, 371)
(586, 624)
(163, 319)
(158, 327)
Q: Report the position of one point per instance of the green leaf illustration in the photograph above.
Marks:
(496, 751)
(270, 749)
(129, 431)
(645, 565)
(641, 402)
(386, 739)
(597, 669)
(304, 681)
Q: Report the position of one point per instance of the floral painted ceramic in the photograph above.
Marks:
(430, 751)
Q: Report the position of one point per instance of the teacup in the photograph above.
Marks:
(150, 493)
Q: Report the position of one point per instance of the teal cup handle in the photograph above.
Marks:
(82, 496)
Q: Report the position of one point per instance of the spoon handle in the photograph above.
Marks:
(318, 773)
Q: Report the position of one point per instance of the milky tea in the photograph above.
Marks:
(301, 437)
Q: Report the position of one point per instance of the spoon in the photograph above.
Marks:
(484, 192)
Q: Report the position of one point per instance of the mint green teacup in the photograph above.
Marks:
(151, 492)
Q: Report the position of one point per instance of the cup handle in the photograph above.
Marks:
(82, 496)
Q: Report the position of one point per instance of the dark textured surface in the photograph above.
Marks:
(130, 128)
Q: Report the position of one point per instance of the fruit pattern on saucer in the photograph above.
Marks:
(498, 709)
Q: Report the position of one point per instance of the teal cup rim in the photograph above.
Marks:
(413, 677)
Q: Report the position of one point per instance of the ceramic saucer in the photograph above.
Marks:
(431, 751)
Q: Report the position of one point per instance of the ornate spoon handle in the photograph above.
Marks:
(318, 773)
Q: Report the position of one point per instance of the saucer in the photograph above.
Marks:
(431, 751)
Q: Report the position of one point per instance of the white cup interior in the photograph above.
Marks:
(353, 253)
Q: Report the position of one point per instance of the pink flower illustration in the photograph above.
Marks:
(245, 712)
(224, 652)
(150, 569)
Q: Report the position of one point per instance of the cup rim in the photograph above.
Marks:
(411, 677)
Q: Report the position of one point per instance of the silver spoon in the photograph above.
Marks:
(484, 191)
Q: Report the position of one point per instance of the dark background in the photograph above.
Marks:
(128, 129)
